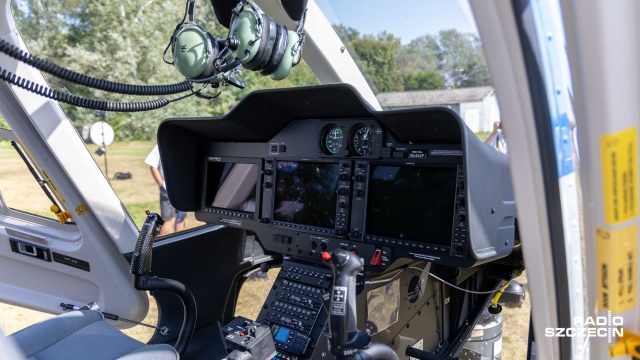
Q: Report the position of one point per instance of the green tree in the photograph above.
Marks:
(450, 58)
(376, 56)
(462, 62)
(419, 55)
(428, 80)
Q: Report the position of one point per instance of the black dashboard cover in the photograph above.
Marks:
(264, 113)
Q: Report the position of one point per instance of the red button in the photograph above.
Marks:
(354, 251)
(242, 333)
(326, 256)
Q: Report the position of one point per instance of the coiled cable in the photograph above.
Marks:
(56, 95)
(88, 81)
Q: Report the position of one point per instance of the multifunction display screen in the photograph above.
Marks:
(306, 193)
(411, 203)
(231, 186)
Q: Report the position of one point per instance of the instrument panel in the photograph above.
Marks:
(351, 139)
(404, 184)
(356, 140)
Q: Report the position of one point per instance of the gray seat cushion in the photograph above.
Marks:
(85, 335)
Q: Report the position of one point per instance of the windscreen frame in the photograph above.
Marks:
(207, 207)
(366, 213)
(274, 200)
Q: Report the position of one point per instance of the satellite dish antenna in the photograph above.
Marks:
(101, 133)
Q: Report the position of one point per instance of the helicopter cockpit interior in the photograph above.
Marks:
(393, 234)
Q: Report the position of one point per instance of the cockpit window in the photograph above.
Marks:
(124, 42)
(23, 189)
(419, 53)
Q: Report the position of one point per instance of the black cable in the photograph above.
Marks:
(56, 95)
(100, 84)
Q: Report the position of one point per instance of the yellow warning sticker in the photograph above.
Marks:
(617, 258)
(619, 175)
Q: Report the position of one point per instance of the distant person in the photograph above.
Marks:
(497, 139)
(174, 220)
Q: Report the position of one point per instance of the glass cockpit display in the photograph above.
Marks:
(232, 186)
(306, 193)
(411, 203)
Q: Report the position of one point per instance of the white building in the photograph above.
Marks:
(477, 106)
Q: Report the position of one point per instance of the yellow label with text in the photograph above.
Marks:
(619, 175)
(617, 262)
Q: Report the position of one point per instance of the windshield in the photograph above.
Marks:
(419, 53)
(412, 45)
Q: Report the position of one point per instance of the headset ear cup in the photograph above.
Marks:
(213, 53)
(268, 35)
(279, 47)
(291, 56)
(270, 46)
(193, 51)
(243, 29)
(174, 37)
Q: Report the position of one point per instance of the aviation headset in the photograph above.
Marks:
(256, 41)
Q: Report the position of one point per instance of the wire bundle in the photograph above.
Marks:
(47, 92)
(88, 81)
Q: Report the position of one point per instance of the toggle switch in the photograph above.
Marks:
(376, 259)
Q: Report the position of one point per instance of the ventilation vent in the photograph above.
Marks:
(415, 289)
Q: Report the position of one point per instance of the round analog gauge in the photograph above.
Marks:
(332, 140)
(361, 140)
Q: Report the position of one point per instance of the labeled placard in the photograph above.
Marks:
(69, 261)
(620, 175)
(617, 259)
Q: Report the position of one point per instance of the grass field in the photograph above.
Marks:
(140, 193)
